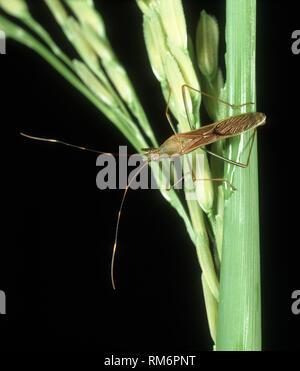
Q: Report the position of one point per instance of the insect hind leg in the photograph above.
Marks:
(231, 161)
(233, 106)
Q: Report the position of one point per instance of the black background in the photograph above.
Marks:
(58, 228)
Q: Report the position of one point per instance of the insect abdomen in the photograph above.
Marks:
(239, 124)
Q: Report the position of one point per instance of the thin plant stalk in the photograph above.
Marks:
(239, 315)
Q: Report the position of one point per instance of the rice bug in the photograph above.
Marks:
(184, 143)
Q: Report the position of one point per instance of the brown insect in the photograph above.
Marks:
(183, 143)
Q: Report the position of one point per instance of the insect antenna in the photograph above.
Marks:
(118, 223)
(124, 194)
(42, 139)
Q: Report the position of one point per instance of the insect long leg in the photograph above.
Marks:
(216, 180)
(204, 179)
(167, 110)
(231, 161)
(209, 96)
(185, 104)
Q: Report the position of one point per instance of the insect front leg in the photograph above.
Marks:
(170, 119)
(202, 179)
